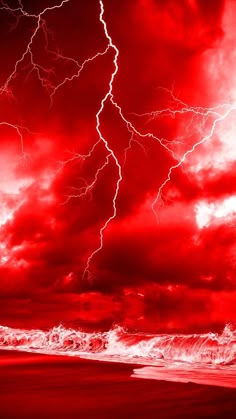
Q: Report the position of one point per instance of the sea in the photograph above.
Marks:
(68, 373)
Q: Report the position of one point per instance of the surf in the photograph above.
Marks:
(209, 348)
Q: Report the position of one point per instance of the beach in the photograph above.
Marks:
(43, 386)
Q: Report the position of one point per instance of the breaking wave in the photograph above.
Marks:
(209, 348)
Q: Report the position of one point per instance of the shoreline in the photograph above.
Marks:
(36, 386)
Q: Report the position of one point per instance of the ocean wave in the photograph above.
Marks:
(209, 348)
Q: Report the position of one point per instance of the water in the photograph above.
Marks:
(208, 358)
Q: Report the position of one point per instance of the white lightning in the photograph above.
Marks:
(108, 96)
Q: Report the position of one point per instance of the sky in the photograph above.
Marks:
(117, 163)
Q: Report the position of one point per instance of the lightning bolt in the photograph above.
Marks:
(40, 23)
(85, 190)
(188, 152)
(108, 96)
(18, 129)
(178, 107)
(5, 88)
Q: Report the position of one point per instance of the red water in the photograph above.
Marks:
(208, 359)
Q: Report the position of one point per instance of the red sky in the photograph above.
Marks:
(145, 163)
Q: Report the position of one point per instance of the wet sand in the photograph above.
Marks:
(41, 386)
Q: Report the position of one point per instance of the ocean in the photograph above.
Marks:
(63, 373)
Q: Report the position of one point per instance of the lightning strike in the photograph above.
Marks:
(18, 130)
(108, 95)
(87, 189)
(28, 50)
(190, 151)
